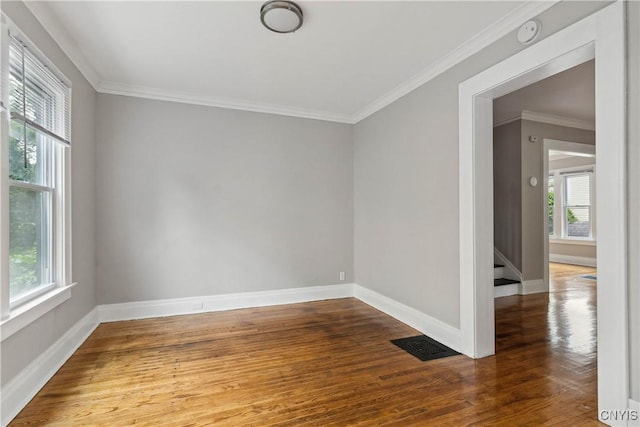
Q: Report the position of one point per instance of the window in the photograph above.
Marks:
(577, 205)
(35, 142)
(570, 200)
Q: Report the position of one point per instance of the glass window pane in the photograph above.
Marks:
(578, 222)
(578, 190)
(33, 165)
(29, 253)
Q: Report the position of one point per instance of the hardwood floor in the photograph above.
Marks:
(330, 363)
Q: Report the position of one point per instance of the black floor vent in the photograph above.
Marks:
(424, 348)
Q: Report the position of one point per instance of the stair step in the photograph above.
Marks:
(497, 265)
(505, 291)
(502, 282)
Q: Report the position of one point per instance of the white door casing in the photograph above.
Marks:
(601, 35)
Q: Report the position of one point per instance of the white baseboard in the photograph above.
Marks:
(510, 270)
(506, 290)
(434, 328)
(193, 305)
(528, 287)
(21, 389)
(570, 259)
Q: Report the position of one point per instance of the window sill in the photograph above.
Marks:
(29, 312)
(578, 242)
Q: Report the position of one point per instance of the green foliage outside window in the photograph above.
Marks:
(23, 207)
(571, 217)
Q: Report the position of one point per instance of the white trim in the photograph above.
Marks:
(529, 287)
(510, 272)
(67, 44)
(552, 119)
(575, 260)
(611, 208)
(601, 35)
(30, 311)
(24, 386)
(434, 328)
(501, 121)
(505, 290)
(485, 38)
(574, 148)
(4, 173)
(575, 242)
(114, 88)
(193, 305)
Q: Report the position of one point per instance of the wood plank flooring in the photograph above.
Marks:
(330, 363)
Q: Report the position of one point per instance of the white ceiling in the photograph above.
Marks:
(570, 94)
(349, 59)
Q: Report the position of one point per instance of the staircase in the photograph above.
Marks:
(503, 287)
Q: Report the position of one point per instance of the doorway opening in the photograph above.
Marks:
(599, 36)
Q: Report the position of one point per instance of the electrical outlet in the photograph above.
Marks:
(342, 275)
(196, 306)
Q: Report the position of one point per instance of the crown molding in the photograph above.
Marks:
(59, 34)
(114, 88)
(500, 28)
(472, 46)
(499, 121)
(551, 119)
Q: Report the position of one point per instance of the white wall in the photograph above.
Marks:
(204, 201)
(24, 346)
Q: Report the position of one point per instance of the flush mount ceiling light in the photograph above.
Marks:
(281, 16)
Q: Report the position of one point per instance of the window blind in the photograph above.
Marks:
(37, 97)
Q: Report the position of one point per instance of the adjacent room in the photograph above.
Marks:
(319, 213)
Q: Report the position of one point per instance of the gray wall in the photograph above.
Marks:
(533, 228)
(204, 201)
(507, 191)
(20, 349)
(633, 190)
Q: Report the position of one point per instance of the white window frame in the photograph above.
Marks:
(559, 208)
(20, 313)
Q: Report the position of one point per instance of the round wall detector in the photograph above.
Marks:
(529, 31)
